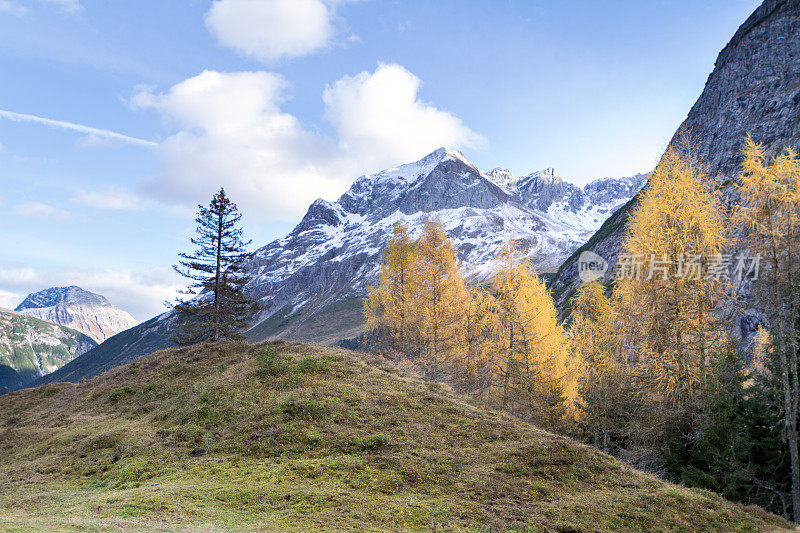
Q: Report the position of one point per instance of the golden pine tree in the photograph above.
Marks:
(439, 302)
(389, 308)
(530, 366)
(671, 302)
(606, 397)
(770, 214)
(470, 359)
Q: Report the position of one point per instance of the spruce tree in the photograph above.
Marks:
(218, 305)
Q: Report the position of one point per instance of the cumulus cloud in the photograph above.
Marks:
(141, 293)
(111, 199)
(378, 117)
(272, 29)
(232, 132)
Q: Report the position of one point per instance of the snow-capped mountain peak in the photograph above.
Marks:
(73, 307)
(501, 176)
(334, 252)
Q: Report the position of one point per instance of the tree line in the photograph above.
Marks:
(645, 367)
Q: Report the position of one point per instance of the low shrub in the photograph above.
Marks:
(271, 363)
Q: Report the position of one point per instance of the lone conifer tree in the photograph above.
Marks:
(218, 305)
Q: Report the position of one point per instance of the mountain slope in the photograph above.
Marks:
(9, 379)
(78, 309)
(33, 347)
(122, 348)
(291, 437)
(313, 280)
(754, 88)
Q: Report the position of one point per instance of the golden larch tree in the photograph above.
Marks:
(770, 215)
(674, 278)
(529, 358)
(439, 301)
(389, 307)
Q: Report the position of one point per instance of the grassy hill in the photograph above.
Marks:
(296, 437)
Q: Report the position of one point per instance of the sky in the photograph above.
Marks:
(118, 118)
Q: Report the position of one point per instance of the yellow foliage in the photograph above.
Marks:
(671, 311)
(530, 362)
(390, 305)
(440, 299)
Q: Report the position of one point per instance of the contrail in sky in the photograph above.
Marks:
(22, 117)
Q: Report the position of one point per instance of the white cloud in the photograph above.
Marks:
(379, 118)
(111, 199)
(142, 294)
(40, 211)
(232, 132)
(272, 29)
(9, 300)
(96, 132)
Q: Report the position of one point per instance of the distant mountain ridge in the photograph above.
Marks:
(31, 347)
(313, 280)
(78, 309)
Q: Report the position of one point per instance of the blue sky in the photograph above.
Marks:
(284, 101)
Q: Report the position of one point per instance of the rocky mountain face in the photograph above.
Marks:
(754, 89)
(31, 347)
(313, 280)
(78, 309)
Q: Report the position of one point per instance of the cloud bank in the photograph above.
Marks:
(232, 132)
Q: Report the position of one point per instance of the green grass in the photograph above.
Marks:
(294, 437)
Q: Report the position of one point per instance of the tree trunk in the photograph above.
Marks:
(508, 366)
(217, 276)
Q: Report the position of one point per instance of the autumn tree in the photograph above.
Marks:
(219, 306)
(770, 214)
(530, 368)
(674, 278)
(441, 298)
(606, 400)
(389, 307)
(469, 362)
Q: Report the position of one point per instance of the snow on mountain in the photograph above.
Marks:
(73, 307)
(326, 262)
(312, 282)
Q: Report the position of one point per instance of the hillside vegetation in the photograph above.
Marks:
(296, 437)
(33, 347)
